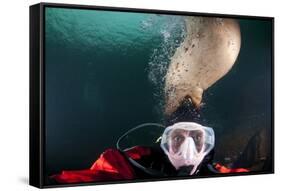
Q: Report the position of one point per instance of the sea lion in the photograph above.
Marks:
(206, 54)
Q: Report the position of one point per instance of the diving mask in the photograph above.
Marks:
(187, 143)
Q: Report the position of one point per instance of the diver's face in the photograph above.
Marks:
(179, 136)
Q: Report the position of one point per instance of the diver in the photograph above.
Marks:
(184, 149)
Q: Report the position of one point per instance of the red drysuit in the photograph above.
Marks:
(112, 165)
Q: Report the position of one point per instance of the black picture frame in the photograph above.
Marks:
(37, 89)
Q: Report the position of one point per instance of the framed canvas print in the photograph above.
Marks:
(123, 95)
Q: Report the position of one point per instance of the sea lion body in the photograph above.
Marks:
(207, 53)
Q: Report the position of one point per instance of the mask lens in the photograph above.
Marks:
(177, 137)
(198, 139)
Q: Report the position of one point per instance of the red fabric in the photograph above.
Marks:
(138, 152)
(111, 165)
(223, 169)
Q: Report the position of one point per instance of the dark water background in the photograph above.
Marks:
(105, 73)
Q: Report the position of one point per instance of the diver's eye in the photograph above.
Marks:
(178, 139)
(198, 138)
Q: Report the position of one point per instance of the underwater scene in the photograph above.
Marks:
(133, 96)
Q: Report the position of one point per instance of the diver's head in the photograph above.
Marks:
(184, 148)
(186, 144)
